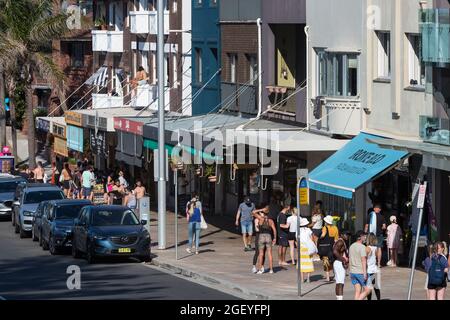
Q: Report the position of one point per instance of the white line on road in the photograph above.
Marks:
(2, 298)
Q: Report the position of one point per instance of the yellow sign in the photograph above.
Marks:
(60, 147)
(303, 192)
(74, 118)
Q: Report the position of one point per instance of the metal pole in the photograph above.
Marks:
(299, 282)
(161, 142)
(416, 246)
(176, 214)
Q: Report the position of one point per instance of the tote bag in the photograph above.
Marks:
(203, 224)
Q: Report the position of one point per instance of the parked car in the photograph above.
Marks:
(8, 186)
(29, 200)
(37, 221)
(17, 195)
(57, 223)
(110, 231)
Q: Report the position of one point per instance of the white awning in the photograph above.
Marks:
(99, 78)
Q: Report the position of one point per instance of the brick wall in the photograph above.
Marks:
(241, 39)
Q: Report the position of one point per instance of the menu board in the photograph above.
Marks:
(98, 142)
(7, 164)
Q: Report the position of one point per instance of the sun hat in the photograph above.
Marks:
(328, 219)
(303, 222)
(393, 218)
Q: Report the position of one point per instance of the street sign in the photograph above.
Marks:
(303, 191)
(421, 198)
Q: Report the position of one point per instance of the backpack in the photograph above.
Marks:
(436, 274)
(325, 245)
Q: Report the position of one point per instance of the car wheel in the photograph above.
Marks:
(16, 228)
(90, 254)
(75, 253)
(52, 245)
(33, 235)
(22, 233)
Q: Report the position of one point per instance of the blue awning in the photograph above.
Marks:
(358, 162)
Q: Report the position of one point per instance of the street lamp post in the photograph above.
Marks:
(161, 142)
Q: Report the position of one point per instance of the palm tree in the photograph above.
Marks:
(27, 28)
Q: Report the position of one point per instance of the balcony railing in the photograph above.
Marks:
(337, 115)
(103, 40)
(99, 40)
(140, 22)
(153, 21)
(105, 101)
(239, 97)
(145, 95)
(434, 130)
(435, 34)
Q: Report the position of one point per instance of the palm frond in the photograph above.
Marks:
(46, 67)
(47, 29)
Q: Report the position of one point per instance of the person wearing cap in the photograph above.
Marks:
(245, 218)
(394, 233)
(306, 240)
(358, 266)
(330, 234)
(377, 225)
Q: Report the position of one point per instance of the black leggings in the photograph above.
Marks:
(256, 255)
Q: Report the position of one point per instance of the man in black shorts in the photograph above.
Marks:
(283, 233)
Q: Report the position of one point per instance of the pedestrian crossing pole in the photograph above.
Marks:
(302, 199)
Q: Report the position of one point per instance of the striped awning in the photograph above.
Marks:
(99, 78)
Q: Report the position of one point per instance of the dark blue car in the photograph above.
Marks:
(110, 231)
(57, 222)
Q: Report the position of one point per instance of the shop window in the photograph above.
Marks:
(383, 55)
(253, 67)
(232, 59)
(198, 65)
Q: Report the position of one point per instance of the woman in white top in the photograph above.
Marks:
(292, 236)
(374, 276)
(306, 262)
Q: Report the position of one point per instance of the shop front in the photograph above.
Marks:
(59, 141)
(76, 138)
(342, 181)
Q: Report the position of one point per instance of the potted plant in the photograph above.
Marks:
(210, 172)
(100, 24)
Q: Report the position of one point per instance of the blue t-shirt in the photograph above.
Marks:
(246, 212)
(196, 216)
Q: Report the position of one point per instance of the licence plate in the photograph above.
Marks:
(124, 250)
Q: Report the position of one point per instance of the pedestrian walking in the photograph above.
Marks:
(358, 266)
(377, 225)
(66, 176)
(340, 263)
(265, 210)
(76, 185)
(283, 233)
(245, 219)
(306, 251)
(117, 194)
(374, 273)
(55, 174)
(265, 241)
(436, 267)
(330, 234)
(86, 182)
(317, 224)
(292, 236)
(123, 181)
(39, 172)
(194, 218)
(394, 233)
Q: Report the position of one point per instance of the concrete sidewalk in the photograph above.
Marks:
(223, 264)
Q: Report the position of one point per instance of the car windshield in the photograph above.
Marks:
(44, 195)
(114, 218)
(8, 186)
(68, 211)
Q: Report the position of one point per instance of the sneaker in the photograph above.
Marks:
(254, 270)
(196, 251)
(188, 250)
(271, 271)
(245, 249)
(389, 263)
(249, 247)
(260, 272)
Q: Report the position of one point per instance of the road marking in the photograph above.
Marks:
(2, 298)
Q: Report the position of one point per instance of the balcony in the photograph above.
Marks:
(140, 22)
(99, 40)
(435, 34)
(337, 115)
(105, 101)
(103, 40)
(145, 95)
(244, 99)
(434, 130)
(153, 22)
(115, 41)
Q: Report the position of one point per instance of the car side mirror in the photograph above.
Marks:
(16, 203)
(143, 222)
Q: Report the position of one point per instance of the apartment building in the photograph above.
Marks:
(125, 40)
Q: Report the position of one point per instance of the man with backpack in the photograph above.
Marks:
(436, 267)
